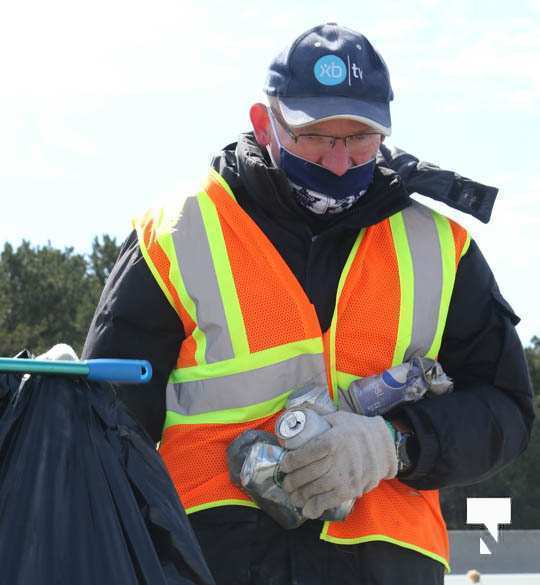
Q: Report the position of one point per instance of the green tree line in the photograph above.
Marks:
(48, 295)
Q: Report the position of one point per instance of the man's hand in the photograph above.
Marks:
(343, 463)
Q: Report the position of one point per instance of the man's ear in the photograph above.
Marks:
(258, 115)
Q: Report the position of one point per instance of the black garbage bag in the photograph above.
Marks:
(84, 497)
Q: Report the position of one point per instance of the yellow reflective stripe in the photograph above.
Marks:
(381, 537)
(230, 415)
(216, 394)
(332, 356)
(406, 284)
(151, 264)
(216, 504)
(466, 245)
(219, 179)
(167, 243)
(448, 260)
(333, 326)
(344, 379)
(224, 275)
(245, 363)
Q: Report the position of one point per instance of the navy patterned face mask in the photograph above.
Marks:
(312, 180)
(320, 203)
(316, 178)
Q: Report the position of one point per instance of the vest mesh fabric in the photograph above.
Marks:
(267, 299)
(368, 322)
(195, 457)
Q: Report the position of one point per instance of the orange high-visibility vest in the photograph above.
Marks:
(252, 336)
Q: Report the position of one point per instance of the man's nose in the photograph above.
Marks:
(337, 160)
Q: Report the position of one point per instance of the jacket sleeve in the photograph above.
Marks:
(469, 434)
(134, 320)
(443, 185)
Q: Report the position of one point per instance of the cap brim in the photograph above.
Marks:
(299, 112)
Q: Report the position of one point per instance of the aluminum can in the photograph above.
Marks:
(314, 396)
(253, 459)
(406, 382)
(295, 428)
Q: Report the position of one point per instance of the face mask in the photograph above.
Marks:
(315, 178)
(322, 204)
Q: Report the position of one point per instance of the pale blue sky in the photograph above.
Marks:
(110, 105)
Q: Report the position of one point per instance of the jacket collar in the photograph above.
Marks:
(256, 182)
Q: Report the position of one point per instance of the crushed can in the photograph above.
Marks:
(253, 460)
(314, 395)
(406, 382)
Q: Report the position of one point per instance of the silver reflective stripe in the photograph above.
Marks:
(427, 268)
(246, 388)
(198, 273)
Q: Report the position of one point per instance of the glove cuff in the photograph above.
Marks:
(392, 430)
(386, 442)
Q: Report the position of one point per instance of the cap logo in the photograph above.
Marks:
(330, 70)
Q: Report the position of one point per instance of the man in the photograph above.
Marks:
(305, 257)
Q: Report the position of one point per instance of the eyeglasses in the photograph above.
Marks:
(357, 145)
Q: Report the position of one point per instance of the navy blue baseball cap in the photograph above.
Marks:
(331, 72)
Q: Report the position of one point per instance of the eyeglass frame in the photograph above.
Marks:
(294, 137)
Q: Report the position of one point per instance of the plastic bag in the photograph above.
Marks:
(84, 496)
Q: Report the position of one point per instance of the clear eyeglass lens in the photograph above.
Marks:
(356, 145)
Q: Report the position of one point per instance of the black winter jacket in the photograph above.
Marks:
(462, 437)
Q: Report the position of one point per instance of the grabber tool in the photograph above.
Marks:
(121, 371)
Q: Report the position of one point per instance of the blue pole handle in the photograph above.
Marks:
(104, 370)
(121, 371)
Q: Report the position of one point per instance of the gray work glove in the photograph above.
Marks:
(342, 463)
